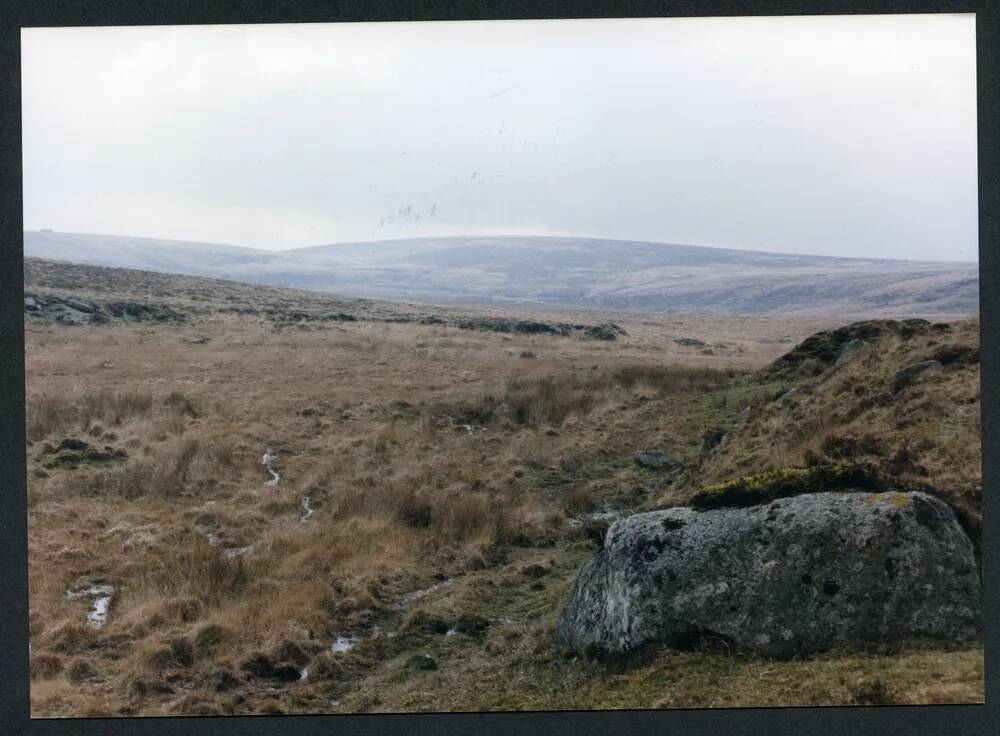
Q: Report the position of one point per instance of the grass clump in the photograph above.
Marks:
(50, 414)
(753, 490)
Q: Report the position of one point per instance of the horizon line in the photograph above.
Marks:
(496, 235)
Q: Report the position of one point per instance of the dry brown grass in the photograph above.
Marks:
(366, 419)
(49, 414)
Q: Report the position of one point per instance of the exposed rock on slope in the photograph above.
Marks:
(794, 576)
(906, 403)
(73, 311)
(833, 347)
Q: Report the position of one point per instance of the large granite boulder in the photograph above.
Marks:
(793, 576)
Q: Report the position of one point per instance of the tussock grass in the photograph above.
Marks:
(50, 414)
(182, 465)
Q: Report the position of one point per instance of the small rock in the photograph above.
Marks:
(80, 306)
(651, 460)
(850, 349)
(908, 375)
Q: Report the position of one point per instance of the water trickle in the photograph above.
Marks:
(232, 552)
(266, 461)
(451, 632)
(306, 501)
(344, 644)
(304, 673)
(102, 593)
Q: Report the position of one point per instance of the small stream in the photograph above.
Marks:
(267, 461)
(307, 508)
(345, 642)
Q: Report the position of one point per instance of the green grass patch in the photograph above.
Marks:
(72, 454)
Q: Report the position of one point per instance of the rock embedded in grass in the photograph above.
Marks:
(849, 350)
(791, 577)
(651, 459)
(911, 373)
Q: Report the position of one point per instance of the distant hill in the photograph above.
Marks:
(554, 271)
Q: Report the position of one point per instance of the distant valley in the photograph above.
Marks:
(577, 273)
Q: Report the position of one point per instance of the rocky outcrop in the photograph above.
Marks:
(822, 350)
(608, 331)
(794, 576)
(73, 311)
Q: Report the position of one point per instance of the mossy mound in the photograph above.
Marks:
(753, 490)
(72, 453)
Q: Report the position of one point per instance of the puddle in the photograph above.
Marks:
(102, 593)
(266, 461)
(344, 644)
(418, 594)
(232, 552)
(470, 428)
(306, 508)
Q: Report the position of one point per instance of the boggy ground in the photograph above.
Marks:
(438, 491)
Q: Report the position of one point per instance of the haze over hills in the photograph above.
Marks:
(554, 271)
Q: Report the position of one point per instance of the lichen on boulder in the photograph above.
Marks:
(791, 577)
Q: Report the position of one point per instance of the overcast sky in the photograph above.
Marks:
(843, 136)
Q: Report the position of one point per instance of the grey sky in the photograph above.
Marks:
(838, 135)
